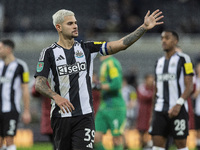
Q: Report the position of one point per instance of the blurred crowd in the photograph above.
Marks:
(108, 16)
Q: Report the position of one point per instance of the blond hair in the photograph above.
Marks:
(59, 16)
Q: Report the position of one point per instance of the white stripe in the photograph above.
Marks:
(1, 67)
(187, 58)
(173, 86)
(103, 49)
(159, 84)
(197, 101)
(182, 86)
(83, 90)
(42, 54)
(6, 88)
(24, 64)
(18, 93)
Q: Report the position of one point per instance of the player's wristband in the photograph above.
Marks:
(180, 101)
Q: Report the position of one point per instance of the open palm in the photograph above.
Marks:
(152, 20)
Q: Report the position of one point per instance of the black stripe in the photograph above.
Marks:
(1, 86)
(166, 87)
(74, 85)
(18, 71)
(56, 81)
(179, 66)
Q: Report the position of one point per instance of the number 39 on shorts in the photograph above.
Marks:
(89, 135)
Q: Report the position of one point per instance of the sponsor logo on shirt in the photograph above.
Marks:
(166, 77)
(4, 80)
(71, 69)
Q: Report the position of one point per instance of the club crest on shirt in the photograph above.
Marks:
(40, 66)
(173, 65)
(79, 54)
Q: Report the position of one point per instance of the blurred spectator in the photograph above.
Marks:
(130, 97)
(24, 25)
(197, 58)
(130, 15)
(7, 26)
(132, 77)
(1, 17)
(114, 19)
(45, 124)
(145, 93)
(196, 97)
(95, 92)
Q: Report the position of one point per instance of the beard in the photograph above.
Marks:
(74, 36)
(166, 50)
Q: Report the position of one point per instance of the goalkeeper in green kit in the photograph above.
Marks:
(112, 110)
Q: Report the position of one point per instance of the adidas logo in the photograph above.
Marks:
(180, 133)
(90, 145)
(60, 58)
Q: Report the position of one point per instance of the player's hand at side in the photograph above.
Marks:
(64, 104)
(26, 117)
(152, 20)
(174, 111)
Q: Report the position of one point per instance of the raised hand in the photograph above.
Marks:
(153, 20)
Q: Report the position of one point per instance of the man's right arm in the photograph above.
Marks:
(42, 88)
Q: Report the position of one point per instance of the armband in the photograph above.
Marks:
(180, 101)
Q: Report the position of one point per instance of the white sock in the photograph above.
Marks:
(3, 147)
(185, 148)
(11, 147)
(198, 142)
(158, 148)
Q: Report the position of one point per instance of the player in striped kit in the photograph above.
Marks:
(14, 78)
(174, 74)
(68, 65)
(196, 97)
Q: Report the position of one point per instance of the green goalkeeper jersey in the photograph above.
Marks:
(111, 73)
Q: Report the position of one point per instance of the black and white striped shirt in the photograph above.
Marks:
(11, 78)
(170, 80)
(69, 73)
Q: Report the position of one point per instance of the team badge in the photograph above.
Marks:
(173, 64)
(79, 54)
(40, 66)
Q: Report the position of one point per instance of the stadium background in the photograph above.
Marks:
(29, 24)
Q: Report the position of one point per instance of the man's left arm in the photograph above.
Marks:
(26, 116)
(188, 80)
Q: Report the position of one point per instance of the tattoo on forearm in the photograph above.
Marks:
(134, 36)
(110, 51)
(42, 87)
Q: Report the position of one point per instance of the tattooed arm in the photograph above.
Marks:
(149, 22)
(42, 87)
